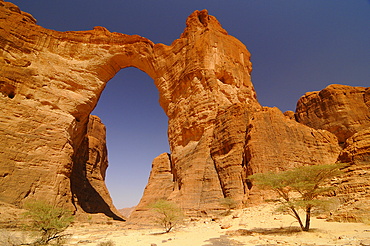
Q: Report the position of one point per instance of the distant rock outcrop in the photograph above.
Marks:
(51, 148)
(126, 212)
(345, 112)
(340, 109)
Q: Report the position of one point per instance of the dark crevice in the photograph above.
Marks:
(7, 89)
(218, 174)
(173, 169)
(246, 159)
(249, 184)
(225, 77)
(27, 194)
(11, 95)
(203, 18)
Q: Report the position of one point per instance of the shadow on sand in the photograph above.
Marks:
(158, 233)
(223, 240)
(265, 231)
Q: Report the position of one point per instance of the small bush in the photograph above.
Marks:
(49, 221)
(228, 203)
(169, 214)
(108, 243)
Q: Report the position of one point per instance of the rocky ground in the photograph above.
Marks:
(258, 225)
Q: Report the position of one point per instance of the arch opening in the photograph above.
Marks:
(136, 133)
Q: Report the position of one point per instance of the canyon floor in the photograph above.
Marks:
(258, 225)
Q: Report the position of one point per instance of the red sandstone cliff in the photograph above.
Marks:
(88, 174)
(345, 112)
(218, 132)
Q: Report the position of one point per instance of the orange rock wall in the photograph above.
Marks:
(88, 173)
(218, 132)
(344, 111)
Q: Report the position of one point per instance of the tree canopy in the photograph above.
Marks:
(49, 220)
(169, 214)
(300, 188)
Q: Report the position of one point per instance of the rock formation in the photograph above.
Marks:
(345, 112)
(218, 132)
(339, 109)
(88, 173)
(50, 82)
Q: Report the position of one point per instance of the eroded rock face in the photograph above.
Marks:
(340, 109)
(160, 186)
(88, 174)
(204, 72)
(218, 132)
(277, 143)
(227, 152)
(50, 82)
(345, 112)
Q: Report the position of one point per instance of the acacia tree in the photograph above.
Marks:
(169, 214)
(300, 188)
(50, 221)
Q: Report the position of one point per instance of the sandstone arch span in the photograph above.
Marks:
(51, 81)
(218, 132)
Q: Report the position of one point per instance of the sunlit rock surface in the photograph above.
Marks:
(51, 148)
(345, 112)
(340, 109)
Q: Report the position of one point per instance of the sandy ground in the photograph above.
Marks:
(252, 226)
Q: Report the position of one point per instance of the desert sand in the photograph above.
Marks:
(259, 225)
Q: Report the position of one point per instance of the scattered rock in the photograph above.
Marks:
(365, 242)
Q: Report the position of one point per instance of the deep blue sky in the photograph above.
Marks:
(297, 46)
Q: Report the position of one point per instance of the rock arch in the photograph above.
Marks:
(55, 80)
(218, 132)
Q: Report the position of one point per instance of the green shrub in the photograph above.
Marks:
(49, 221)
(228, 203)
(300, 188)
(108, 243)
(169, 214)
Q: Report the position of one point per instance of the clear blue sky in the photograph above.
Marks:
(297, 46)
